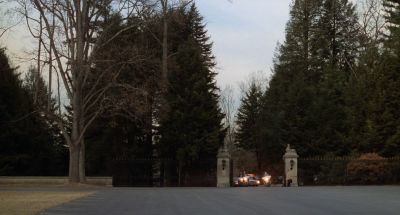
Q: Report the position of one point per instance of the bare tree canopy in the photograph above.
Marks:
(69, 35)
(372, 19)
(6, 19)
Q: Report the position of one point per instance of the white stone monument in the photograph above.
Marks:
(223, 167)
(290, 159)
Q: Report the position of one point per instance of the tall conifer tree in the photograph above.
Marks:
(192, 130)
(248, 122)
(336, 51)
(388, 128)
(288, 103)
(28, 145)
(306, 97)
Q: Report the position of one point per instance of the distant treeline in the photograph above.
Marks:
(335, 91)
(178, 120)
(335, 88)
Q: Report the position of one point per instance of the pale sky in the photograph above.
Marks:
(245, 34)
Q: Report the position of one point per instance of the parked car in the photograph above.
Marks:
(248, 180)
(243, 181)
(254, 181)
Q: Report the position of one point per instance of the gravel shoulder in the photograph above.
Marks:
(33, 202)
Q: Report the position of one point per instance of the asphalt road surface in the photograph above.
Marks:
(244, 201)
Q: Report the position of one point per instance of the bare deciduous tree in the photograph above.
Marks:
(69, 36)
(258, 78)
(2, 28)
(372, 19)
(164, 5)
(228, 106)
(6, 22)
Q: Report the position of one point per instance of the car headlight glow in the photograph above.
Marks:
(266, 179)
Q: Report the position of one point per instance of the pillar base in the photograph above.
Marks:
(223, 185)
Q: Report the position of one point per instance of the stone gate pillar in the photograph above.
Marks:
(290, 159)
(223, 167)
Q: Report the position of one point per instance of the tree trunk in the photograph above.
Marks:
(75, 145)
(165, 47)
(74, 152)
(49, 106)
(82, 163)
(38, 62)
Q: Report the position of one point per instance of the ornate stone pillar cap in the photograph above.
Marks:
(290, 153)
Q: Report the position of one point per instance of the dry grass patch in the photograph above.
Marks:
(30, 203)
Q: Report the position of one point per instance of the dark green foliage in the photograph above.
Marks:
(337, 42)
(30, 84)
(392, 9)
(29, 145)
(248, 122)
(389, 125)
(364, 102)
(123, 131)
(374, 93)
(194, 122)
(333, 91)
(305, 103)
(192, 130)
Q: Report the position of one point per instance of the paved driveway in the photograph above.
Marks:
(243, 201)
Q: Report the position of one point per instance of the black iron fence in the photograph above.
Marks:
(133, 172)
(348, 171)
(151, 172)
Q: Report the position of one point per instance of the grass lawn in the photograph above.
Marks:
(30, 203)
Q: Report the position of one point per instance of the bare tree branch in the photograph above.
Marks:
(68, 34)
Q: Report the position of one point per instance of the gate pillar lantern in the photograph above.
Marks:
(223, 167)
(290, 159)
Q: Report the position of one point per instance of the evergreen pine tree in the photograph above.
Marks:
(192, 130)
(288, 104)
(392, 9)
(337, 51)
(388, 126)
(364, 102)
(247, 134)
(306, 98)
(28, 144)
